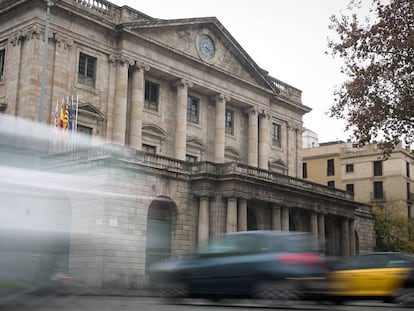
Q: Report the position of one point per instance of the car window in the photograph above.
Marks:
(371, 261)
(399, 263)
(295, 243)
(219, 245)
(233, 244)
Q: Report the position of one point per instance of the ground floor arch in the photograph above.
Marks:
(161, 218)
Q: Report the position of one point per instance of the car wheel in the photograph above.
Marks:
(174, 290)
(275, 290)
(405, 297)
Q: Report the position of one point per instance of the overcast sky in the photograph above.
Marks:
(288, 38)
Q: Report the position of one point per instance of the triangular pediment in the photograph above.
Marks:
(232, 153)
(90, 110)
(195, 143)
(184, 36)
(153, 131)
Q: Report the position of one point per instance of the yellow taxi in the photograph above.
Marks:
(386, 276)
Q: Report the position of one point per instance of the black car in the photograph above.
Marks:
(251, 264)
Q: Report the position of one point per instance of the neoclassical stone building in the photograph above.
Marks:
(203, 140)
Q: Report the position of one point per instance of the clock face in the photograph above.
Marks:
(206, 47)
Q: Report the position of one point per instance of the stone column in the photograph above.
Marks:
(252, 140)
(231, 219)
(203, 220)
(182, 86)
(314, 223)
(352, 245)
(137, 105)
(276, 225)
(120, 108)
(264, 141)
(321, 231)
(220, 133)
(285, 218)
(242, 215)
(345, 237)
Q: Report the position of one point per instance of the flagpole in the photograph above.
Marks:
(76, 114)
(43, 78)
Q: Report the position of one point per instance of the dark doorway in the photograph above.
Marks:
(159, 230)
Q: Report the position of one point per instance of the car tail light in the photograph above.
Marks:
(300, 259)
(65, 277)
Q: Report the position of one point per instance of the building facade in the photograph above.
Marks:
(204, 141)
(372, 176)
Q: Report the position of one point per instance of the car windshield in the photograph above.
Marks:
(246, 243)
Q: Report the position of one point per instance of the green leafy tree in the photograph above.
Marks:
(376, 99)
(393, 231)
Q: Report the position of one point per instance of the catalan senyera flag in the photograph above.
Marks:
(66, 118)
(61, 117)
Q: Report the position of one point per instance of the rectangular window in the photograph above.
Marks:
(193, 110)
(330, 167)
(349, 168)
(377, 168)
(2, 63)
(85, 130)
(408, 192)
(350, 188)
(276, 135)
(229, 121)
(86, 70)
(331, 184)
(151, 95)
(378, 190)
(149, 148)
(305, 170)
(190, 158)
(407, 169)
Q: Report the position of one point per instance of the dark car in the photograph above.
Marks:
(251, 264)
(386, 276)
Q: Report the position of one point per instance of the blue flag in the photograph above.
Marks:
(70, 114)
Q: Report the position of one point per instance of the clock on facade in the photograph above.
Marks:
(206, 47)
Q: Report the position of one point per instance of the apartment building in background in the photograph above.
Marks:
(372, 176)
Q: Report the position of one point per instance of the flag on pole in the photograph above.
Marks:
(61, 117)
(70, 114)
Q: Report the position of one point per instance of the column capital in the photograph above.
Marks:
(264, 114)
(181, 83)
(221, 97)
(250, 111)
(62, 41)
(139, 65)
(120, 59)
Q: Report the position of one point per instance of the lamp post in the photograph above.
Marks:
(43, 81)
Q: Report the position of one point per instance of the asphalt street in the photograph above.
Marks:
(106, 303)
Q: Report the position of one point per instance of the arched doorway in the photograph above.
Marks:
(160, 218)
(251, 220)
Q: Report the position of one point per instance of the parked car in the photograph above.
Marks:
(251, 264)
(386, 276)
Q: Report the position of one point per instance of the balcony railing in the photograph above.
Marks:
(101, 6)
(193, 169)
(378, 196)
(257, 173)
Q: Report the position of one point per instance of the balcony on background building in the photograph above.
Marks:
(378, 197)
